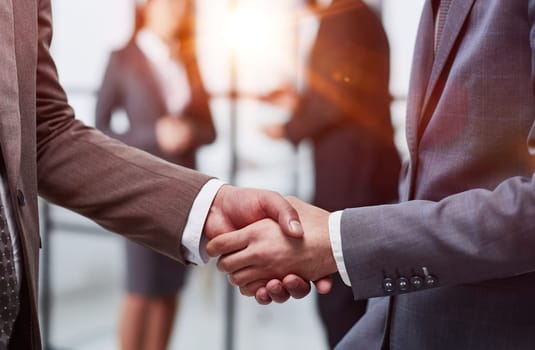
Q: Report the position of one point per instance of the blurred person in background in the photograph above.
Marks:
(345, 111)
(451, 266)
(155, 79)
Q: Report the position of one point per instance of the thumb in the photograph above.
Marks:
(277, 208)
(216, 223)
(324, 285)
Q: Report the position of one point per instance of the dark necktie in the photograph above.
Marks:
(443, 9)
(9, 297)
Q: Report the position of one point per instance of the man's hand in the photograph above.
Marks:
(292, 286)
(235, 208)
(261, 253)
(286, 96)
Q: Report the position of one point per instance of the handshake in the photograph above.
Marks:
(271, 247)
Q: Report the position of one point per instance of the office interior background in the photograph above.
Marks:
(267, 42)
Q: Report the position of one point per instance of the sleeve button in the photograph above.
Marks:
(417, 282)
(403, 284)
(431, 281)
(388, 285)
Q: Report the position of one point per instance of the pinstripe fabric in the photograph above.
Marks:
(443, 10)
(468, 192)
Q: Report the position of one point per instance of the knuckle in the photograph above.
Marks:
(259, 300)
(291, 198)
(262, 300)
(240, 279)
(233, 279)
(257, 256)
(214, 247)
(247, 291)
(271, 196)
(222, 265)
(256, 234)
(210, 250)
(230, 279)
(281, 300)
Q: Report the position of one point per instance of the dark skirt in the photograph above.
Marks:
(151, 274)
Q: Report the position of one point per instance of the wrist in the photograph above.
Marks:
(216, 221)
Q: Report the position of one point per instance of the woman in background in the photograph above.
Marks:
(345, 111)
(155, 79)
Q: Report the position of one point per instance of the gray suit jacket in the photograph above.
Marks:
(47, 151)
(468, 216)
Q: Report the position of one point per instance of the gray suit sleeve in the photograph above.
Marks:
(473, 236)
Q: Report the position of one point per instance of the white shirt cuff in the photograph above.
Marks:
(336, 243)
(193, 241)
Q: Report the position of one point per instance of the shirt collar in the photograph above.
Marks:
(152, 46)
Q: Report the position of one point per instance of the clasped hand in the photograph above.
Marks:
(260, 242)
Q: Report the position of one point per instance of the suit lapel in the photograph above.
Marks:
(9, 90)
(459, 11)
(149, 76)
(421, 69)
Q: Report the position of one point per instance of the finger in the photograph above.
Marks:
(251, 289)
(250, 274)
(324, 285)
(277, 208)
(218, 220)
(262, 297)
(228, 243)
(277, 292)
(296, 286)
(232, 263)
(216, 224)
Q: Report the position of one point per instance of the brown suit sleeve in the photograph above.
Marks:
(123, 189)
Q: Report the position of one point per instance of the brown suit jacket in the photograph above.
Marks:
(48, 152)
